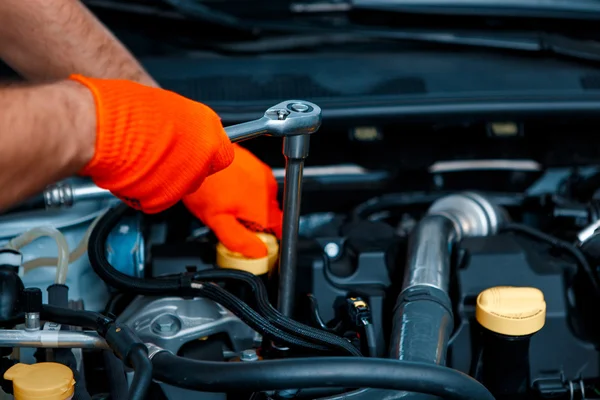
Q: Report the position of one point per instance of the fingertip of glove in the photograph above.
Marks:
(253, 250)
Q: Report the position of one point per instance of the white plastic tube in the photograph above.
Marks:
(62, 261)
(79, 251)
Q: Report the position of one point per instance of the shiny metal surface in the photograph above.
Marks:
(295, 150)
(281, 120)
(153, 350)
(473, 214)
(51, 339)
(585, 234)
(32, 321)
(65, 194)
(171, 322)
(449, 219)
(428, 257)
(493, 165)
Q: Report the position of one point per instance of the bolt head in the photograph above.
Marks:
(332, 250)
(249, 355)
(166, 324)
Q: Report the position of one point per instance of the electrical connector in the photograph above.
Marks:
(358, 311)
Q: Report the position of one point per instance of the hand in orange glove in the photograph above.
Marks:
(152, 146)
(238, 201)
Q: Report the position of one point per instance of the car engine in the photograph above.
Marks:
(453, 293)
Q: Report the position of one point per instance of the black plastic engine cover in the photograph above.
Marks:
(556, 353)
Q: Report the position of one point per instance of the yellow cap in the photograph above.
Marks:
(257, 266)
(42, 381)
(512, 311)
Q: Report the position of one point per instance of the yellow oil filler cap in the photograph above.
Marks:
(42, 381)
(512, 311)
(257, 266)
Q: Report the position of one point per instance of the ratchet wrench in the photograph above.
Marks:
(292, 120)
(288, 118)
(295, 121)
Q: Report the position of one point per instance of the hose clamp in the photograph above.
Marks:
(153, 350)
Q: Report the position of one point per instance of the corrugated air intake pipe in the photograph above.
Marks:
(423, 319)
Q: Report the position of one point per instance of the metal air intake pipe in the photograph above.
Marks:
(423, 319)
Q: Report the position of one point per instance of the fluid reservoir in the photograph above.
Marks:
(509, 317)
(257, 266)
(42, 381)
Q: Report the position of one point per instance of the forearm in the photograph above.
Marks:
(48, 40)
(47, 133)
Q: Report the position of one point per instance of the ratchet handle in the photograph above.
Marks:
(288, 118)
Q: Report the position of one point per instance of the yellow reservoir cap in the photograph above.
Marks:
(257, 266)
(512, 311)
(42, 381)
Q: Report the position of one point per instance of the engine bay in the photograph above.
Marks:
(451, 293)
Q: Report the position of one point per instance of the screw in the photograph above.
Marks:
(332, 250)
(165, 324)
(249, 355)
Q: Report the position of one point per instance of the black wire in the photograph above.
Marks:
(256, 321)
(371, 340)
(266, 309)
(316, 316)
(559, 244)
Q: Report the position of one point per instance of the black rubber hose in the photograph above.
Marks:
(114, 278)
(143, 374)
(266, 309)
(294, 334)
(66, 316)
(117, 380)
(136, 355)
(303, 373)
(559, 244)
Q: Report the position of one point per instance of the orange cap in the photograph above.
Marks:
(512, 311)
(257, 266)
(42, 381)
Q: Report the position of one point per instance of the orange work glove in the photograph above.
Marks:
(238, 201)
(152, 146)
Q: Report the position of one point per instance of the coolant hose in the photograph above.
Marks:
(62, 267)
(303, 373)
(67, 316)
(285, 330)
(143, 374)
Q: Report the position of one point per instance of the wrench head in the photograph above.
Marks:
(293, 117)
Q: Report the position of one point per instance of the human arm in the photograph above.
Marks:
(35, 121)
(133, 140)
(50, 40)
